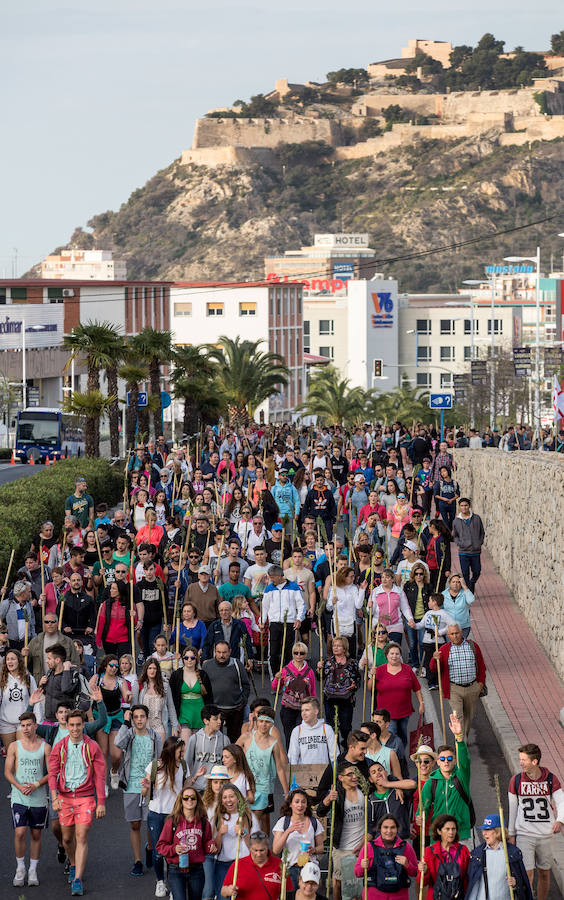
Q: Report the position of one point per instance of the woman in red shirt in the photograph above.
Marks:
(371, 507)
(258, 873)
(114, 622)
(447, 849)
(186, 838)
(395, 682)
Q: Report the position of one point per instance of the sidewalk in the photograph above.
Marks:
(525, 694)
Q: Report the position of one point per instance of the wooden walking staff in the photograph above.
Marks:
(241, 810)
(163, 601)
(7, 578)
(281, 660)
(333, 787)
(503, 834)
(62, 609)
(131, 614)
(125, 495)
(102, 569)
(440, 682)
(42, 582)
(367, 639)
(175, 614)
(422, 849)
(320, 635)
(261, 648)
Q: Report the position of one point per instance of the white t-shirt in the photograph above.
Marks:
(296, 837)
(163, 798)
(353, 823)
(258, 576)
(229, 840)
(404, 568)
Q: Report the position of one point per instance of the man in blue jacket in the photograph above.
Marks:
(487, 872)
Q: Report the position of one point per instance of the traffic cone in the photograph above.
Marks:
(13, 459)
(47, 462)
(31, 460)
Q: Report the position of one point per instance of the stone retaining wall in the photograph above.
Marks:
(520, 497)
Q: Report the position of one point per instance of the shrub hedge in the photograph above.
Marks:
(27, 502)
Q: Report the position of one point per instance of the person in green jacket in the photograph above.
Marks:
(448, 788)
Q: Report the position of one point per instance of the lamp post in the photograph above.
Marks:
(469, 303)
(536, 260)
(492, 352)
(416, 333)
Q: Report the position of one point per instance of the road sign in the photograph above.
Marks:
(522, 361)
(479, 370)
(440, 401)
(141, 399)
(166, 400)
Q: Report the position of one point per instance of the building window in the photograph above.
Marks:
(2, 296)
(467, 354)
(423, 326)
(214, 309)
(329, 352)
(468, 326)
(183, 309)
(447, 354)
(326, 326)
(18, 293)
(447, 326)
(307, 337)
(247, 309)
(423, 379)
(446, 380)
(423, 354)
(54, 294)
(498, 326)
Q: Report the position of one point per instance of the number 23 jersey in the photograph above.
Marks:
(532, 803)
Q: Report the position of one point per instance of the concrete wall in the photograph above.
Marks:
(228, 156)
(520, 497)
(373, 104)
(263, 132)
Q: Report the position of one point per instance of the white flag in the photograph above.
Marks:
(557, 399)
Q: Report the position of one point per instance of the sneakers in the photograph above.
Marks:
(140, 659)
(433, 687)
(148, 857)
(76, 888)
(114, 780)
(423, 672)
(61, 854)
(72, 874)
(137, 868)
(32, 877)
(19, 877)
(66, 870)
(160, 890)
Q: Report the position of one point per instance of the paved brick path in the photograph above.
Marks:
(526, 682)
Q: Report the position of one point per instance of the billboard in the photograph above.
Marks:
(43, 324)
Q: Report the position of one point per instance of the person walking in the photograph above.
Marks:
(463, 674)
(468, 535)
(395, 682)
(448, 788)
(445, 862)
(16, 688)
(487, 870)
(284, 607)
(185, 839)
(297, 682)
(230, 687)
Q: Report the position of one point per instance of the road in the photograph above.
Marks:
(12, 473)
(107, 872)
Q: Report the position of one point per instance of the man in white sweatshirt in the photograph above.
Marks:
(312, 741)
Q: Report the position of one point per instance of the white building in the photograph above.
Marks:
(98, 265)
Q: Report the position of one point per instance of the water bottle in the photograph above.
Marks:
(183, 862)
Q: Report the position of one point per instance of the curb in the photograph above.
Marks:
(509, 742)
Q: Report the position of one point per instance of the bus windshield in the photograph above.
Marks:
(37, 428)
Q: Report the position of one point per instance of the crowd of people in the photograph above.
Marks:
(238, 648)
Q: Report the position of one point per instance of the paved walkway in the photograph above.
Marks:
(528, 686)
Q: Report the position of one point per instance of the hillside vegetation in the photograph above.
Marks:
(196, 223)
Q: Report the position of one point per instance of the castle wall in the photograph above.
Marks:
(264, 132)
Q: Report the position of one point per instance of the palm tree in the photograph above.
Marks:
(193, 379)
(90, 406)
(155, 348)
(116, 352)
(134, 374)
(405, 403)
(246, 376)
(332, 400)
(96, 341)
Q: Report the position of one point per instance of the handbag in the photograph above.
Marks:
(423, 734)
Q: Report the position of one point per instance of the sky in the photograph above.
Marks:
(99, 96)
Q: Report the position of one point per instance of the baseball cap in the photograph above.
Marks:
(411, 545)
(218, 772)
(493, 821)
(205, 570)
(80, 479)
(359, 478)
(311, 872)
(276, 527)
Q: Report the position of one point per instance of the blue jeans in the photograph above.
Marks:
(209, 867)
(219, 873)
(447, 512)
(155, 822)
(415, 639)
(189, 883)
(148, 635)
(470, 561)
(399, 728)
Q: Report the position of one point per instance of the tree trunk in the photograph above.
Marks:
(112, 377)
(91, 446)
(131, 414)
(93, 384)
(155, 380)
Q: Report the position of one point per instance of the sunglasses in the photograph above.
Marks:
(50, 621)
(299, 653)
(188, 657)
(190, 797)
(258, 836)
(446, 758)
(115, 665)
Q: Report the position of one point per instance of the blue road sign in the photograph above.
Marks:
(166, 400)
(440, 401)
(141, 399)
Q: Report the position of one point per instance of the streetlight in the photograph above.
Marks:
(416, 333)
(492, 375)
(536, 260)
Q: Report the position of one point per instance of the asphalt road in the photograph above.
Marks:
(12, 473)
(107, 872)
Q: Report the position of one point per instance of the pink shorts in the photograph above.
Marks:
(77, 811)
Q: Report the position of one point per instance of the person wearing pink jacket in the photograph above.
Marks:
(389, 604)
(297, 681)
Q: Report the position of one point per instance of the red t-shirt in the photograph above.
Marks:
(394, 691)
(251, 884)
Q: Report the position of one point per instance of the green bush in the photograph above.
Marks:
(27, 502)
(5, 453)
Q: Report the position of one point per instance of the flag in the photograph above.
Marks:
(557, 399)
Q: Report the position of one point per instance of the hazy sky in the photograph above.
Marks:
(98, 96)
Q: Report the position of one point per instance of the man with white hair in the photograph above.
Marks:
(15, 611)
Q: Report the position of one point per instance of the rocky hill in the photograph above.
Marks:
(196, 223)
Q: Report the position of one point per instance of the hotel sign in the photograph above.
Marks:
(341, 241)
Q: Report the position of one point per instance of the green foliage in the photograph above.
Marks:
(5, 453)
(404, 403)
(347, 76)
(306, 153)
(541, 99)
(330, 398)
(557, 43)
(31, 500)
(257, 107)
(426, 63)
(484, 68)
(408, 82)
(369, 129)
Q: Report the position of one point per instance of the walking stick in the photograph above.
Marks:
(283, 874)
(102, 569)
(440, 682)
(242, 646)
(125, 497)
(373, 697)
(367, 638)
(131, 615)
(440, 570)
(421, 847)
(365, 788)
(63, 548)
(241, 810)
(503, 834)
(334, 787)
(281, 660)
(175, 615)
(163, 601)
(42, 582)
(320, 636)
(7, 578)
(61, 610)
(261, 649)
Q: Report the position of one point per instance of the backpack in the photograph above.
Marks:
(448, 883)
(339, 684)
(385, 874)
(296, 688)
(83, 698)
(153, 775)
(315, 824)
(462, 794)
